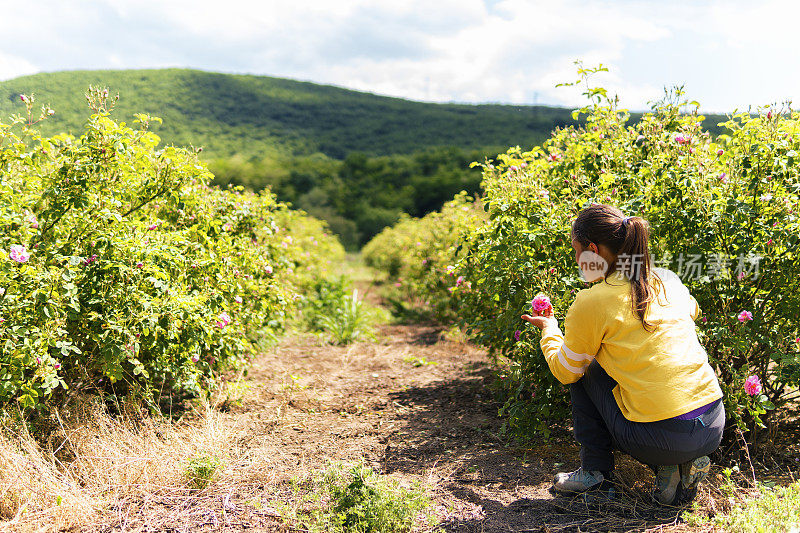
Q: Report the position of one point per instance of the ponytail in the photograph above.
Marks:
(626, 238)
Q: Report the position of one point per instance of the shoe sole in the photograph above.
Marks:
(572, 492)
(687, 489)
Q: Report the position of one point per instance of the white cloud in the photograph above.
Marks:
(519, 50)
(13, 66)
(444, 50)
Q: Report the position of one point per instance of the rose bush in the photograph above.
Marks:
(723, 213)
(122, 272)
(418, 256)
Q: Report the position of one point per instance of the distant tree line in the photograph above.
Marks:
(361, 194)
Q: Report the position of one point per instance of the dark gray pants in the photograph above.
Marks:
(600, 427)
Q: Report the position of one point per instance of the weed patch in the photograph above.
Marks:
(353, 498)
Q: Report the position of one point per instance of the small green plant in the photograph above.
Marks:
(232, 393)
(200, 470)
(418, 361)
(353, 498)
(350, 322)
(324, 299)
(293, 385)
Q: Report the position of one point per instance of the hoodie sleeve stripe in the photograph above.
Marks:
(579, 370)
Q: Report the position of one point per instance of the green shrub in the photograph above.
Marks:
(722, 200)
(730, 202)
(122, 272)
(355, 499)
(418, 256)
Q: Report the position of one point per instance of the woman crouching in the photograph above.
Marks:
(639, 379)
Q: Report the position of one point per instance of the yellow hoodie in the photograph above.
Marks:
(660, 373)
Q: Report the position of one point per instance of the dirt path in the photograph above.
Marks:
(417, 407)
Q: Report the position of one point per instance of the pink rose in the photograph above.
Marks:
(459, 280)
(31, 219)
(238, 299)
(268, 269)
(195, 358)
(152, 226)
(745, 316)
(19, 253)
(541, 304)
(720, 152)
(223, 320)
(752, 385)
(139, 264)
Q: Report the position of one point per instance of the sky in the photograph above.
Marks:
(727, 54)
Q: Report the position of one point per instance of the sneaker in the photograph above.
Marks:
(578, 481)
(668, 479)
(677, 484)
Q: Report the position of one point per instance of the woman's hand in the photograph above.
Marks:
(541, 319)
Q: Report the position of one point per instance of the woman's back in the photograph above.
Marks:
(661, 371)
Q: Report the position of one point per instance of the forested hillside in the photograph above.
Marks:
(256, 115)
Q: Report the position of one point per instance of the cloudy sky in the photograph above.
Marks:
(727, 53)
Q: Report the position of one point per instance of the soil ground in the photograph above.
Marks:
(418, 407)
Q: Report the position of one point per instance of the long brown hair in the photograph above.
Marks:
(627, 238)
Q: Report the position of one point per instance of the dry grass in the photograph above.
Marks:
(110, 471)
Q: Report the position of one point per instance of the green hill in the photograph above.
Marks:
(354, 159)
(231, 114)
